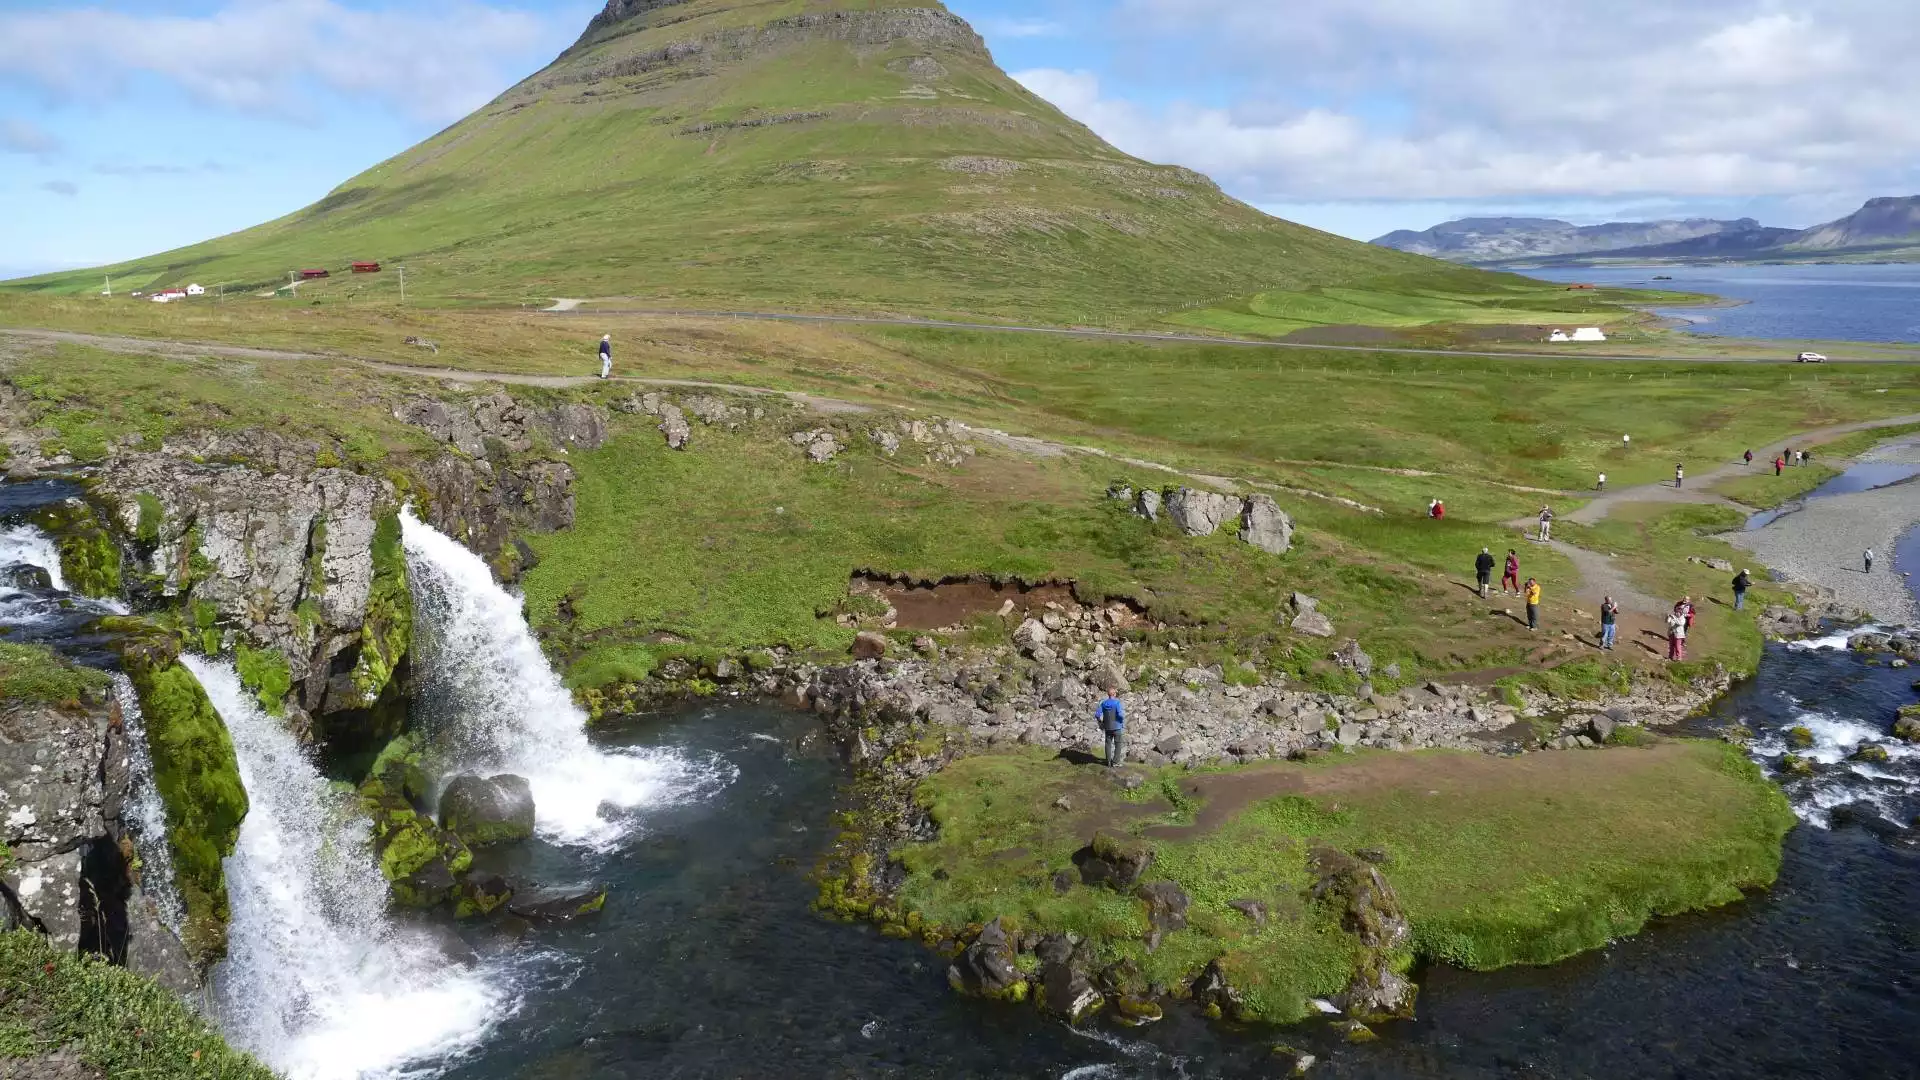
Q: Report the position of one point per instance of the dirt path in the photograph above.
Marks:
(155, 347)
(814, 402)
(1149, 336)
(1696, 484)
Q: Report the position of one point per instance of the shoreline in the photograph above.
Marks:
(1822, 542)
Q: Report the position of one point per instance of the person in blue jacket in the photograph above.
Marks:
(606, 356)
(1113, 721)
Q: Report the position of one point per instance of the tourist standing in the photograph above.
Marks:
(1676, 638)
(1778, 464)
(1602, 486)
(1741, 583)
(1113, 722)
(1869, 560)
(1679, 475)
(1483, 571)
(1533, 604)
(1609, 622)
(1510, 580)
(606, 356)
(1749, 458)
(1546, 523)
(1686, 610)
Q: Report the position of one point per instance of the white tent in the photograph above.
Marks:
(196, 290)
(1589, 333)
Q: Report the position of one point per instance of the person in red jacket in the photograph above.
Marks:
(1778, 464)
(1510, 581)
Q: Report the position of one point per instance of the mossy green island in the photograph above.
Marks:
(1495, 861)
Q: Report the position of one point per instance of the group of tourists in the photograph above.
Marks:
(1509, 582)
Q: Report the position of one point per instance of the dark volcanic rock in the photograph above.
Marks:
(557, 902)
(1115, 861)
(986, 966)
(488, 810)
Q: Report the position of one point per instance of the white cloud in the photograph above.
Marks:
(21, 137)
(434, 64)
(1449, 100)
(61, 187)
(1021, 28)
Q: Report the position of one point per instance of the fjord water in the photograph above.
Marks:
(1837, 302)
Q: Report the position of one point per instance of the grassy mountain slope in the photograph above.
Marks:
(814, 154)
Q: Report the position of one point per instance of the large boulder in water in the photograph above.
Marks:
(557, 902)
(25, 576)
(488, 810)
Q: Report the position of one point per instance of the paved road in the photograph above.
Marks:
(575, 310)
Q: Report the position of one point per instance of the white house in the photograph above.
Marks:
(168, 295)
(196, 290)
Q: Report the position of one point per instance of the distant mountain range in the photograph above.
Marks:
(1887, 228)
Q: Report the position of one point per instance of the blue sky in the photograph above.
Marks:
(128, 128)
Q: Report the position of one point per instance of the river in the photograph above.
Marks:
(1836, 302)
(708, 961)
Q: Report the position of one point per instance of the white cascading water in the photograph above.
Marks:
(494, 704)
(320, 982)
(27, 544)
(145, 813)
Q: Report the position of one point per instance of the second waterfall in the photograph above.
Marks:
(494, 704)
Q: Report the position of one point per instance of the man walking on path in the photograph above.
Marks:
(606, 356)
(1676, 638)
(1609, 622)
(1679, 475)
(1533, 604)
(1869, 560)
(1512, 574)
(1546, 523)
(1483, 571)
(1603, 483)
(1113, 722)
(1749, 457)
(1741, 583)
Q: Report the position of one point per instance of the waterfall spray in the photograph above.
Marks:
(320, 982)
(495, 705)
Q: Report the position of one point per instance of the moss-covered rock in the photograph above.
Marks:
(1795, 765)
(420, 860)
(1907, 724)
(388, 631)
(198, 777)
(477, 895)
(1872, 753)
(1799, 737)
(488, 810)
(265, 673)
(89, 559)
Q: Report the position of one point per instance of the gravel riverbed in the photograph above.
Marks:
(1823, 542)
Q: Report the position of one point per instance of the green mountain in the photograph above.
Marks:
(802, 154)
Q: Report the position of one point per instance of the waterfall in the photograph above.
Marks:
(145, 814)
(320, 982)
(27, 544)
(495, 705)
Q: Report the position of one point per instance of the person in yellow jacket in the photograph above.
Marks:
(1533, 603)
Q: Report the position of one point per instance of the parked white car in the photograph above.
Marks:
(1810, 358)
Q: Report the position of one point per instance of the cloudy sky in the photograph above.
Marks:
(128, 128)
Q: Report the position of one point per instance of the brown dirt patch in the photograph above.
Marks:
(952, 605)
(1225, 795)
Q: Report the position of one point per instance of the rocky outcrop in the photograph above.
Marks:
(821, 445)
(284, 560)
(986, 967)
(1369, 910)
(65, 794)
(497, 425)
(1197, 512)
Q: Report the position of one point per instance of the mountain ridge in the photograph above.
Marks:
(1887, 225)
